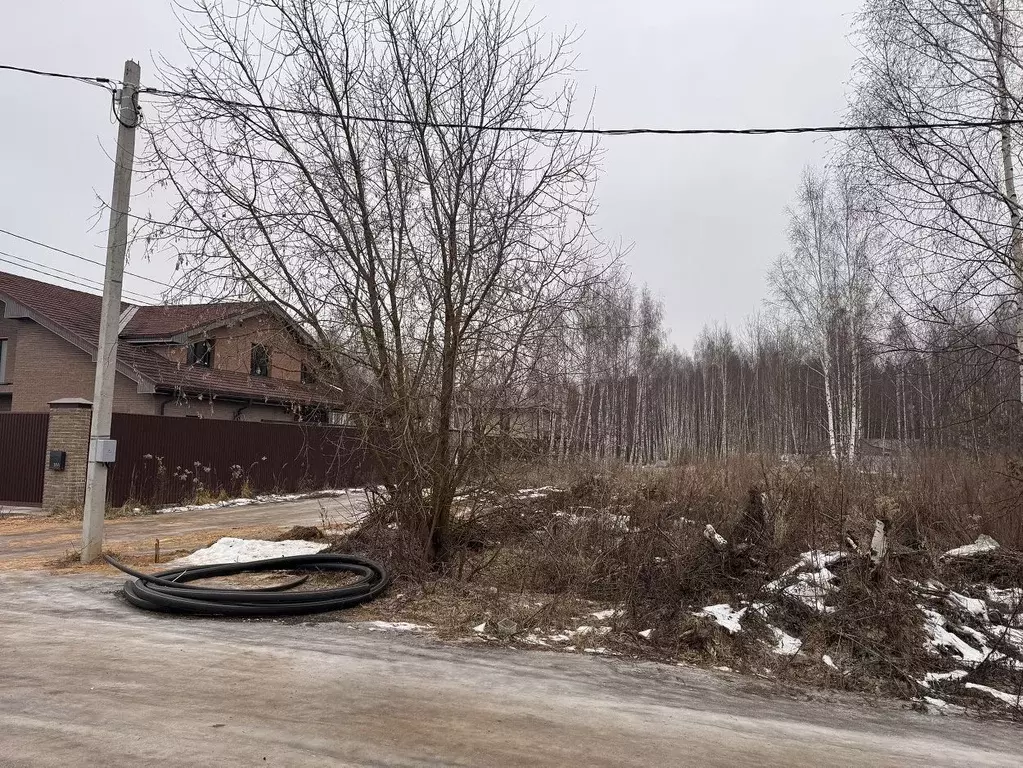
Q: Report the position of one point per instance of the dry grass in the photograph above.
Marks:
(633, 539)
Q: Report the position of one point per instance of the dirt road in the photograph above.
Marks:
(42, 538)
(85, 680)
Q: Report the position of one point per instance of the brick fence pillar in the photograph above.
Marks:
(70, 422)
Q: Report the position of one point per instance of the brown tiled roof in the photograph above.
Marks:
(168, 320)
(74, 311)
(78, 315)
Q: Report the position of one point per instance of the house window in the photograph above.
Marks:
(260, 360)
(308, 374)
(3, 361)
(200, 353)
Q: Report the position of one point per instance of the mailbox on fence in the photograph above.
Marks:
(57, 460)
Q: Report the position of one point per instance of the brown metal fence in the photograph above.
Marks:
(163, 460)
(22, 457)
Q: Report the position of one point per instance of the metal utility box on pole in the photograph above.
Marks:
(101, 447)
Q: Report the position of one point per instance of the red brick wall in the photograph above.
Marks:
(233, 348)
(50, 368)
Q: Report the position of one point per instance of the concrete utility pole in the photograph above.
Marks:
(101, 447)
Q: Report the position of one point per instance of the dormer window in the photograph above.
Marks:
(260, 360)
(200, 353)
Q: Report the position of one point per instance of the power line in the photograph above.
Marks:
(215, 299)
(104, 81)
(81, 258)
(790, 130)
(891, 127)
(67, 277)
(30, 264)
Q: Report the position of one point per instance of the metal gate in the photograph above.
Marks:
(22, 457)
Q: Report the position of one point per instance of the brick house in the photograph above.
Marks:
(245, 361)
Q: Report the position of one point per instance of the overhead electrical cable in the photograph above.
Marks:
(536, 130)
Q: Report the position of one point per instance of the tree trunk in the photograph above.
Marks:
(1005, 113)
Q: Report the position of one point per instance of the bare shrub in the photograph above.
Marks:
(636, 540)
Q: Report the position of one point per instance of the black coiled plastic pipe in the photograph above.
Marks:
(171, 592)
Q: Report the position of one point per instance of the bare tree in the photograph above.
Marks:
(946, 196)
(343, 160)
(825, 286)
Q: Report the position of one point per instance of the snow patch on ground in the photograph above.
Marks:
(940, 677)
(984, 543)
(1008, 600)
(1007, 698)
(394, 626)
(269, 498)
(724, 615)
(812, 586)
(784, 643)
(600, 517)
(940, 638)
(815, 559)
(810, 591)
(714, 537)
(561, 639)
(959, 627)
(943, 706)
(231, 550)
(536, 493)
(969, 604)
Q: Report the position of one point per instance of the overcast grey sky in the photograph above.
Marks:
(705, 215)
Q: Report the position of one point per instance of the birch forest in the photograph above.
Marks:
(896, 312)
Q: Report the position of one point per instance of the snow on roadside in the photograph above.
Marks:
(393, 626)
(958, 626)
(940, 637)
(784, 643)
(268, 498)
(941, 677)
(231, 550)
(810, 587)
(561, 639)
(724, 615)
(943, 706)
(1007, 698)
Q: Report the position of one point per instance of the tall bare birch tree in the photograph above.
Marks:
(824, 285)
(947, 196)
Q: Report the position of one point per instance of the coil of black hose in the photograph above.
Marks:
(171, 591)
